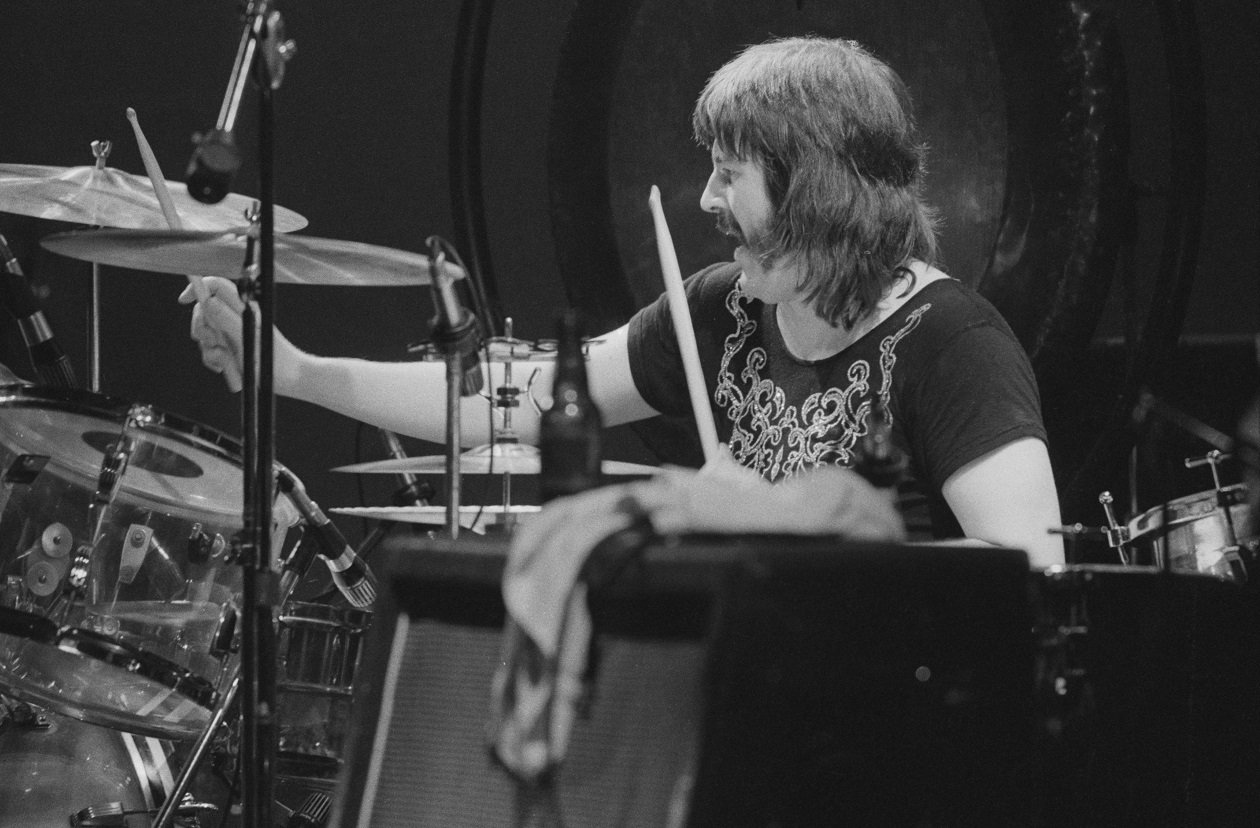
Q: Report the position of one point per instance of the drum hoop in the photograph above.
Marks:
(73, 400)
(89, 644)
(311, 688)
(1153, 520)
(325, 615)
(27, 625)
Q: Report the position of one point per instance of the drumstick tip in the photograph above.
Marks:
(654, 195)
(131, 114)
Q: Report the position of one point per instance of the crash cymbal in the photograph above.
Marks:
(106, 197)
(299, 260)
(506, 458)
(483, 516)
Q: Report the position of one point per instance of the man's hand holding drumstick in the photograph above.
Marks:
(200, 291)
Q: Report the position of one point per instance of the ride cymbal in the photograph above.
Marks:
(506, 458)
(299, 260)
(106, 197)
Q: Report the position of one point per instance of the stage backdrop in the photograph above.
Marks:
(1096, 167)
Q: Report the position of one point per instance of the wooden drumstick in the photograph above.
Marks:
(683, 329)
(230, 374)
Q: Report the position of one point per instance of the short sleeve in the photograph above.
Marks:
(979, 395)
(655, 363)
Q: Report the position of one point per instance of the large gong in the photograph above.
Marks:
(1022, 106)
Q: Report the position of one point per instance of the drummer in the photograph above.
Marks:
(833, 302)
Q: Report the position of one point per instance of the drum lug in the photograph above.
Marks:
(203, 546)
(25, 716)
(224, 640)
(24, 469)
(1117, 535)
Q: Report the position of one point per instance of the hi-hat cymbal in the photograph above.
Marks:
(106, 197)
(503, 349)
(507, 458)
(470, 517)
(299, 260)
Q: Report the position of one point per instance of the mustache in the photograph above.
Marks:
(727, 226)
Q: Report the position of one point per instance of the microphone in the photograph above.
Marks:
(50, 362)
(349, 572)
(216, 159)
(213, 165)
(312, 814)
(414, 491)
(454, 328)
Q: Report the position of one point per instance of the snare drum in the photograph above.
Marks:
(115, 587)
(319, 648)
(1200, 536)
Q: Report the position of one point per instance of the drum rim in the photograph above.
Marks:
(329, 615)
(76, 400)
(103, 648)
(35, 628)
(1134, 570)
(1152, 519)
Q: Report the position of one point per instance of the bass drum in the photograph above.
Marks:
(56, 771)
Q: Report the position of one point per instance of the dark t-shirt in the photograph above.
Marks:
(945, 364)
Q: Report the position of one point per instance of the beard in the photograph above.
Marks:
(756, 241)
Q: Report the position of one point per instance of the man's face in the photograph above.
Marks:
(736, 192)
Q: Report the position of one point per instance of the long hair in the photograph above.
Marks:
(833, 128)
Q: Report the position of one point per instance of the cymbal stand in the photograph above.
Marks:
(100, 150)
(507, 397)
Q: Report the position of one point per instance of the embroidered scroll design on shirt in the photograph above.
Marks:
(778, 439)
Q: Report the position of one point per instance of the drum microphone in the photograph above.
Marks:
(213, 165)
(312, 814)
(349, 572)
(50, 362)
(454, 328)
(216, 159)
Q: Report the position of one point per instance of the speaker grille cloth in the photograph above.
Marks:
(630, 761)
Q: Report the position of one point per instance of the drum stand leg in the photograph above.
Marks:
(170, 807)
(294, 570)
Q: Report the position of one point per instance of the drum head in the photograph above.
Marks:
(174, 461)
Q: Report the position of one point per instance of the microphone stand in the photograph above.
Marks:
(450, 341)
(295, 568)
(260, 589)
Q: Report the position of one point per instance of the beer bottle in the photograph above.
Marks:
(569, 439)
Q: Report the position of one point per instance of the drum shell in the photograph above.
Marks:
(1200, 532)
(136, 648)
(319, 649)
